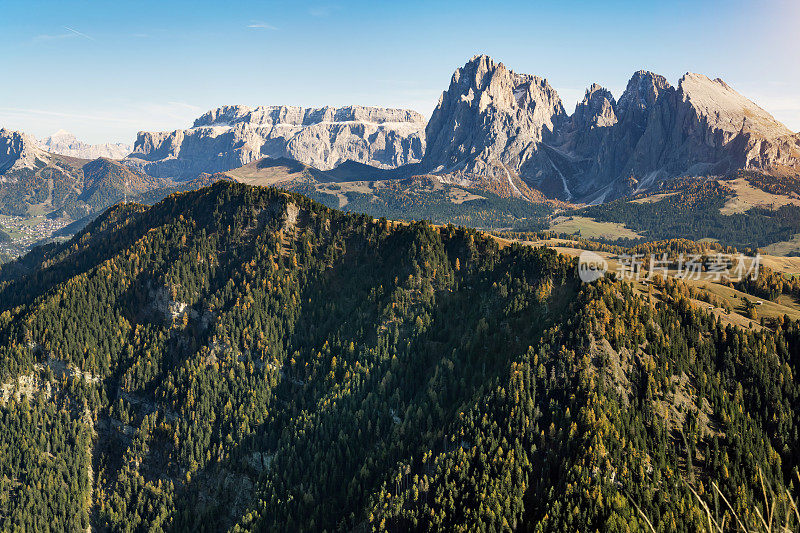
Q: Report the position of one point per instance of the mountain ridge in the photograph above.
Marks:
(494, 125)
(247, 359)
(231, 136)
(65, 143)
(653, 132)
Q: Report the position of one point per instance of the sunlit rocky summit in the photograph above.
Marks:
(19, 151)
(492, 129)
(494, 123)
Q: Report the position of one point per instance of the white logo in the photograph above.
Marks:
(591, 266)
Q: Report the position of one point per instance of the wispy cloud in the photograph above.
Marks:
(113, 122)
(54, 37)
(322, 11)
(137, 113)
(180, 106)
(71, 33)
(78, 33)
(261, 26)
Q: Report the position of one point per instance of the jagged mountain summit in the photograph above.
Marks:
(492, 123)
(232, 136)
(65, 143)
(20, 151)
(492, 120)
(492, 129)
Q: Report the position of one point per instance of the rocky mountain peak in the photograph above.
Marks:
(19, 151)
(63, 135)
(494, 123)
(222, 116)
(483, 83)
(643, 90)
(474, 71)
(487, 111)
(596, 109)
(725, 109)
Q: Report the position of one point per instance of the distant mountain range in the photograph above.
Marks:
(492, 122)
(65, 143)
(509, 132)
(35, 183)
(34, 180)
(494, 134)
(232, 136)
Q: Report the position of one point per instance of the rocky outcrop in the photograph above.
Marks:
(19, 151)
(609, 152)
(720, 129)
(492, 123)
(492, 120)
(596, 110)
(65, 143)
(232, 136)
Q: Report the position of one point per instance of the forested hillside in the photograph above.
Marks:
(691, 210)
(422, 199)
(244, 358)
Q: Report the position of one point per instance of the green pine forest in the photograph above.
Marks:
(245, 359)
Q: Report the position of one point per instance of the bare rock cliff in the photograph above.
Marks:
(232, 136)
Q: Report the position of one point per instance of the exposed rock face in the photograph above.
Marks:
(232, 136)
(719, 128)
(64, 143)
(607, 152)
(701, 127)
(20, 151)
(596, 110)
(491, 122)
(587, 129)
(726, 111)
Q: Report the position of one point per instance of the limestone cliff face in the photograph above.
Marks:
(492, 121)
(610, 151)
(720, 129)
(596, 110)
(508, 130)
(701, 127)
(232, 136)
(20, 151)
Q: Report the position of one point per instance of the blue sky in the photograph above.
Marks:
(105, 70)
